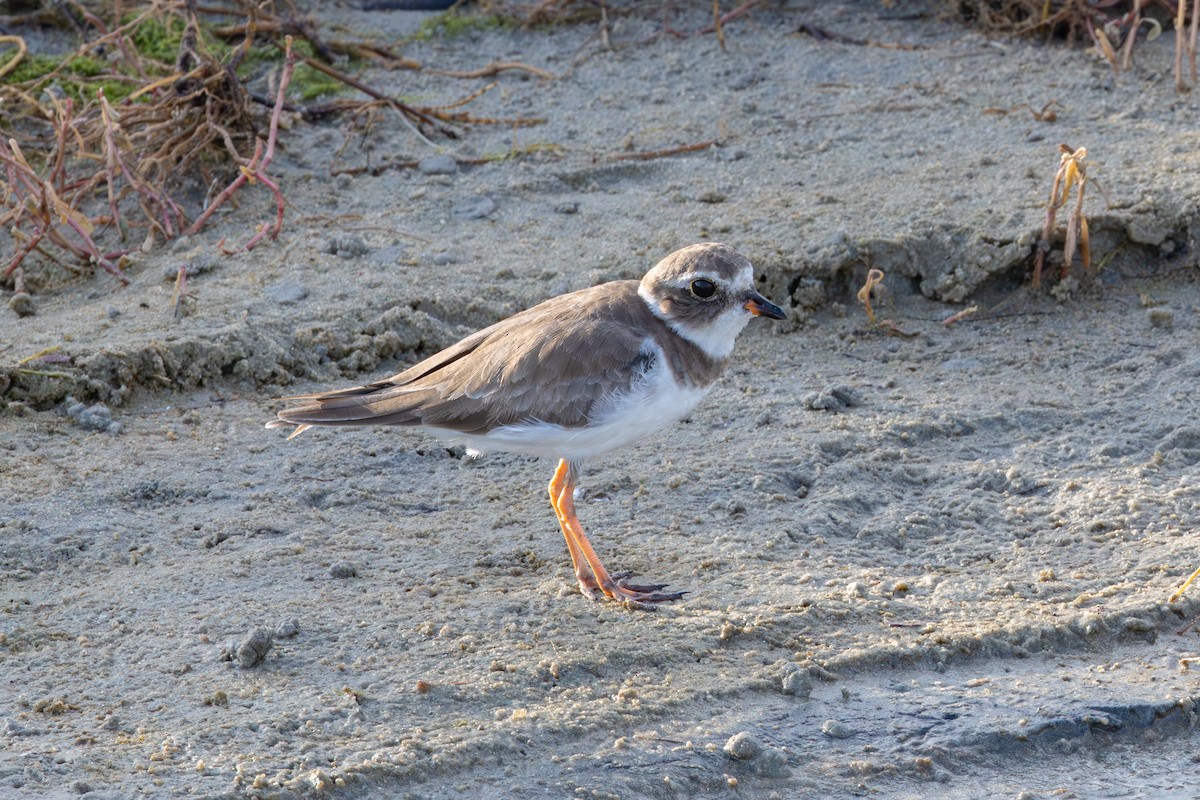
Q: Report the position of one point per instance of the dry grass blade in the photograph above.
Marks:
(1179, 592)
(1106, 48)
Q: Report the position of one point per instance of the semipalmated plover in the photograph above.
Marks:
(572, 378)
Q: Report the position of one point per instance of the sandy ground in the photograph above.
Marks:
(926, 566)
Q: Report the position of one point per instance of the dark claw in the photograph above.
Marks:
(662, 597)
(622, 580)
(642, 593)
(644, 588)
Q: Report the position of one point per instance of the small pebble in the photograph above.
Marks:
(96, 417)
(389, 256)
(743, 746)
(475, 208)
(196, 265)
(797, 683)
(832, 398)
(772, 764)
(250, 651)
(287, 291)
(748, 79)
(287, 629)
(22, 303)
(1163, 318)
(345, 245)
(836, 730)
(438, 165)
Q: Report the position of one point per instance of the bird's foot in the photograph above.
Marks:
(622, 590)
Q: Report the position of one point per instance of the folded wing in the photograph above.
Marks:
(551, 363)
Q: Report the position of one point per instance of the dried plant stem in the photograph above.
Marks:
(721, 20)
(494, 68)
(1192, 36)
(1072, 173)
(15, 61)
(255, 169)
(31, 243)
(1127, 50)
(1180, 83)
(874, 276)
(961, 315)
(647, 155)
(36, 201)
(717, 24)
(407, 111)
(1179, 592)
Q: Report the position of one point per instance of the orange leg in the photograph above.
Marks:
(588, 569)
(583, 573)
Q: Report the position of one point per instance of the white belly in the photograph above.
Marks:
(653, 404)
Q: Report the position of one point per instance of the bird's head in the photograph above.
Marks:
(705, 293)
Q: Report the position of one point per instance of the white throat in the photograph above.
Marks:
(716, 338)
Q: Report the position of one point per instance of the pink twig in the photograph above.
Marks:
(25, 250)
(256, 238)
(256, 169)
(226, 193)
(90, 246)
(285, 77)
(270, 184)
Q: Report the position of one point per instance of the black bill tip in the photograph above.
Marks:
(760, 306)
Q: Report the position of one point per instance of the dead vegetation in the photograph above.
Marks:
(1071, 174)
(1113, 26)
(149, 127)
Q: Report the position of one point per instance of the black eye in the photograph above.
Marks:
(703, 288)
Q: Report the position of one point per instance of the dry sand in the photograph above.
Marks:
(927, 566)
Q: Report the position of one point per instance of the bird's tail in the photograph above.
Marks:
(373, 404)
